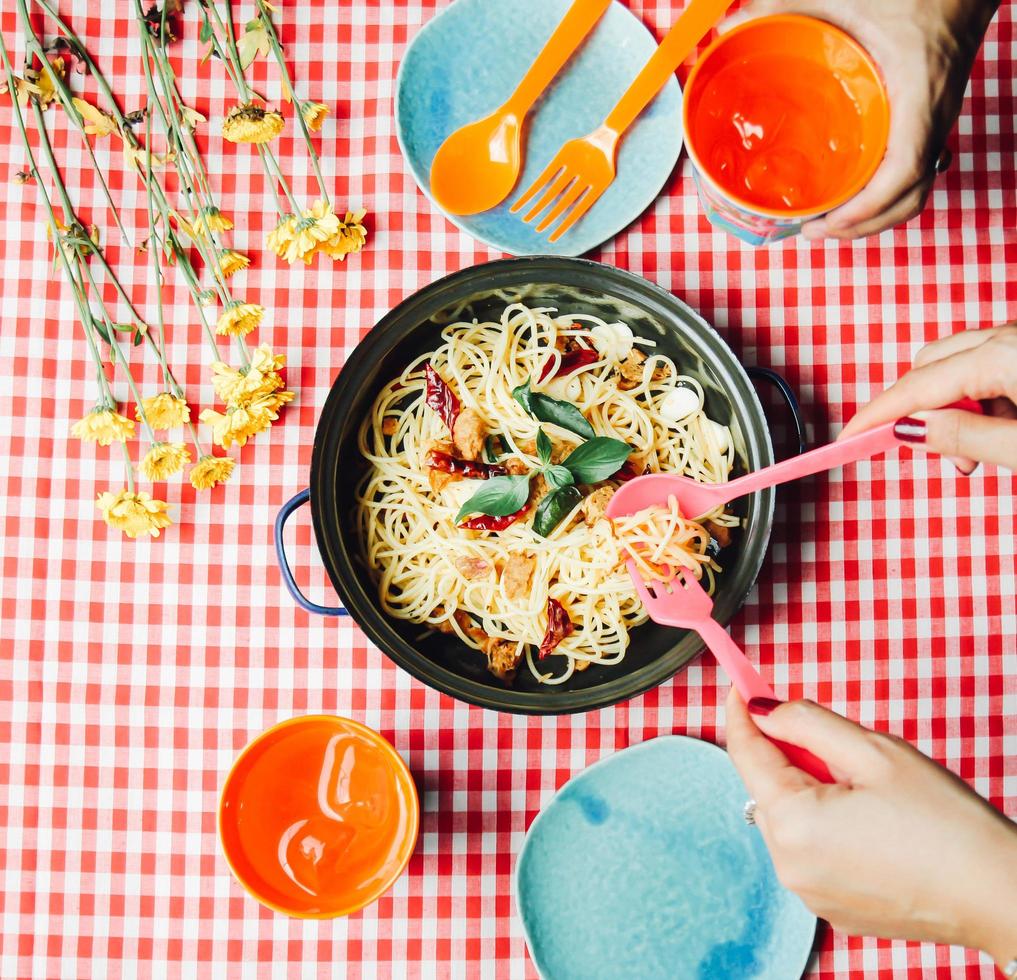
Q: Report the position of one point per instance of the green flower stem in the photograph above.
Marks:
(288, 82)
(156, 263)
(130, 467)
(118, 354)
(84, 312)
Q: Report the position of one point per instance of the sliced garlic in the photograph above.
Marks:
(721, 433)
(569, 388)
(612, 340)
(679, 403)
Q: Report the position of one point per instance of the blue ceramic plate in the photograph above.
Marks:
(467, 61)
(642, 866)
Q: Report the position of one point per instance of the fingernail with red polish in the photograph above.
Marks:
(964, 472)
(763, 706)
(910, 429)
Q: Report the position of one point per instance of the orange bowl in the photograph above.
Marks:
(318, 817)
(762, 59)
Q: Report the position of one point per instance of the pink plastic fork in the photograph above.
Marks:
(669, 604)
(695, 499)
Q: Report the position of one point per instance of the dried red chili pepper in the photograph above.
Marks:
(485, 522)
(570, 362)
(626, 473)
(438, 460)
(440, 397)
(558, 627)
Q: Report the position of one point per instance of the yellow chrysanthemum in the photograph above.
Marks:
(251, 124)
(241, 386)
(232, 261)
(304, 235)
(236, 425)
(164, 411)
(44, 83)
(351, 237)
(210, 471)
(239, 319)
(133, 513)
(314, 114)
(104, 426)
(164, 459)
(279, 238)
(211, 219)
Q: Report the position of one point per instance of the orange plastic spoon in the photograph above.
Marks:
(477, 166)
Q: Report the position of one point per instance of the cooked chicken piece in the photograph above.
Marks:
(516, 466)
(595, 505)
(439, 479)
(389, 424)
(472, 568)
(445, 626)
(528, 446)
(538, 490)
(630, 371)
(517, 574)
(503, 658)
(721, 533)
(581, 664)
(468, 434)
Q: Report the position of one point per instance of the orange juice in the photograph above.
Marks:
(318, 817)
(785, 118)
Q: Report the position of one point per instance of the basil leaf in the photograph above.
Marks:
(546, 409)
(596, 460)
(554, 508)
(544, 447)
(498, 497)
(558, 477)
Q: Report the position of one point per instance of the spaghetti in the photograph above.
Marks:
(500, 590)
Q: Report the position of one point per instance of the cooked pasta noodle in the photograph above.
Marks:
(430, 571)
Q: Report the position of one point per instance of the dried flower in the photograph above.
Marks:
(250, 123)
(23, 89)
(45, 90)
(191, 117)
(210, 471)
(95, 121)
(164, 459)
(133, 513)
(231, 261)
(22, 177)
(164, 411)
(103, 425)
(351, 237)
(314, 114)
(239, 319)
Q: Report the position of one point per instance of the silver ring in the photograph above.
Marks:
(943, 161)
(749, 813)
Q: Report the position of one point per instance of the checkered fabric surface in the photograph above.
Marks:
(131, 673)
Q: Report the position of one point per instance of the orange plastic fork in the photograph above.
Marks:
(585, 167)
(682, 602)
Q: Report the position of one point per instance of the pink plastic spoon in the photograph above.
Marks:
(695, 499)
(669, 604)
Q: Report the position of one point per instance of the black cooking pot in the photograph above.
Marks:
(412, 328)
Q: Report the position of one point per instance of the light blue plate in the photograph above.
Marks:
(467, 61)
(642, 867)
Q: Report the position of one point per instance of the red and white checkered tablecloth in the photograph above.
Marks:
(132, 672)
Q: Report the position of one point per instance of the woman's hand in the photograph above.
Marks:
(899, 847)
(925, 49)
(979, 364)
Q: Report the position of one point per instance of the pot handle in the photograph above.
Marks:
(787, 393)
(284, 566)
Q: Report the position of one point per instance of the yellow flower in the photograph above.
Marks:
(232, 261)
(303, 236)
(351, 237)
(45, 89)
(23, 89)
(133, 513)
(94, 120)
(164, 459)
(191, 117)
(211, 219)
(314, 114)
(252, 124)
(239, 319)
(211, 470)
(279, 238)
(104, 426)
(236, 425)
(164, 411)
(240, 387)
(137, 158)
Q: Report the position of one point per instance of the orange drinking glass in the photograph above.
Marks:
(786, 117)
